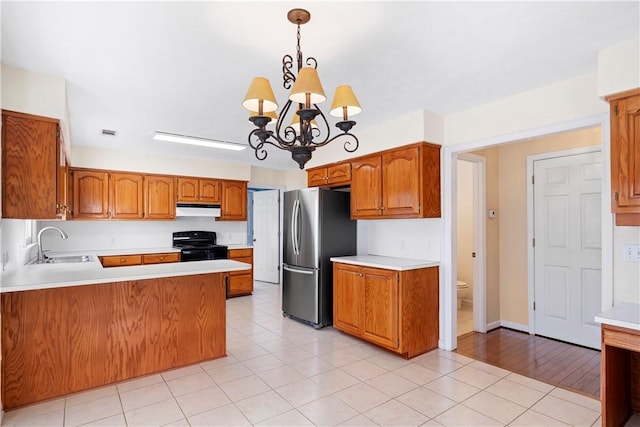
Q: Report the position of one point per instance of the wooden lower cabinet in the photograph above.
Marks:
(240, 282)
(620, 374)
(397, 310)
(124, 260)
(63, 340)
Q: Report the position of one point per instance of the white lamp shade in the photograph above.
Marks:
(344, 98)
(307, 83)
(260, 92)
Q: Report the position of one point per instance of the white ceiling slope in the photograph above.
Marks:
(184, 67)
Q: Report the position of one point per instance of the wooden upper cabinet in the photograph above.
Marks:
(625, 157)
(30, 147)
(127, 196)
(188, 190)
(198, 190)
(335, 175)
(398, 183)
(159, 197)
(234, 201)
(401, 182)
(90, 190)
(209, 190)
(366, 187)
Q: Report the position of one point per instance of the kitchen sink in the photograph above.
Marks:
(68, 259)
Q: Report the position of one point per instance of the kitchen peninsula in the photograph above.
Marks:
(71, 327)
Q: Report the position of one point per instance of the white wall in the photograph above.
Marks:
(36, 93)
(96, 235)
(12, 242)
(91, 157)
(619, 68)
(405, 238)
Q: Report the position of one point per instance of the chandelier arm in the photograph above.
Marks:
(288, 78)
(350, 145)
(312, 62)
(258, 145)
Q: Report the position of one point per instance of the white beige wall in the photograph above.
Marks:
(465, 218)
(619, 68)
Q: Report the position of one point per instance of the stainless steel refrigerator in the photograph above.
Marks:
(317, 226)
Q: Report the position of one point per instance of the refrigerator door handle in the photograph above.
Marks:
(293, 270)
(294, 220)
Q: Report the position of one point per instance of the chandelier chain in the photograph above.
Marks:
(298, 49)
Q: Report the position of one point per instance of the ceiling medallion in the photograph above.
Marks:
(303, 134)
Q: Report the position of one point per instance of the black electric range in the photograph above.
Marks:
(198, 246)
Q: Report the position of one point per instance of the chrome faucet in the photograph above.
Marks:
(40, 251)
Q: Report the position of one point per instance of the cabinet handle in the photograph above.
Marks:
(161, 258)
(122, 260)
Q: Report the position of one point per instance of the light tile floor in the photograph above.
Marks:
(279, 372)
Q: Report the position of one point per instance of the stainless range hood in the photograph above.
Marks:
(197, 209)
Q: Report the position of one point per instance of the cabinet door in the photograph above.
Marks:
(625, 154)
(159, 197)
(188, 190)
(209, 190)
(234, 201)
(127, 196)
(401, 183)
(380, 306)
(317, 177)
(366, 187)
(62, 204)
(339, 174)
(90, 194)
(347, 302)
(29, 168)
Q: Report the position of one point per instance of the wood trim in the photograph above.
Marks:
(30, 116)
(625, 94)
(627, 219)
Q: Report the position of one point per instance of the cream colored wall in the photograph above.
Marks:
(626, 274)
(513, 215)
(619, 68)
(571, 99)
(267, 177)
(99, 158)
(36, 93)
(465, 225)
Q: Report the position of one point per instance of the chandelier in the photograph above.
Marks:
(308, 128)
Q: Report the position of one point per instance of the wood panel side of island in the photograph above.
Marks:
(63, 340)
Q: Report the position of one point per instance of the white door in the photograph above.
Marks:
(266, 231)
(568, 242)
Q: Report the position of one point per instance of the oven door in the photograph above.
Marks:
(195, 255)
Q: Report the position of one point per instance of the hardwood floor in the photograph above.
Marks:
(553, 362)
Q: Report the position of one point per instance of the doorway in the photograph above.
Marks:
(508, 309)
(263, 232)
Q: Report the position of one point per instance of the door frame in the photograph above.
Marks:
(281, 189)
(530, 223)
(479, 241)
(448, 267)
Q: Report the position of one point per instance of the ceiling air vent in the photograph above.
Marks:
(108, 132)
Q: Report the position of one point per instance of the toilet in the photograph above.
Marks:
(461, 285)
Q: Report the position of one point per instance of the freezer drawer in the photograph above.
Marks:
(300, 293)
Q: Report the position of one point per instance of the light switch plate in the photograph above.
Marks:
(632, 253)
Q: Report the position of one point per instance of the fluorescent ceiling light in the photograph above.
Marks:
(193, 140)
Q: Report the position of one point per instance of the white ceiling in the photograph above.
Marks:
(184, 67)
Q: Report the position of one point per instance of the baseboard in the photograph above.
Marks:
(514, 326)
(493, 325)
(506, 324)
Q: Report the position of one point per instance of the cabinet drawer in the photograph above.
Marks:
(161, 258)
(241, 284)
(237, 253)
(121, 260)
(621, 338)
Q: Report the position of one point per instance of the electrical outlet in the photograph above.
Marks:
(632, 253)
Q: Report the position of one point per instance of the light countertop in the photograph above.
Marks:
(238, 246)
(45, 276)
(389, 263)
(115, 252)
(624, 315)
